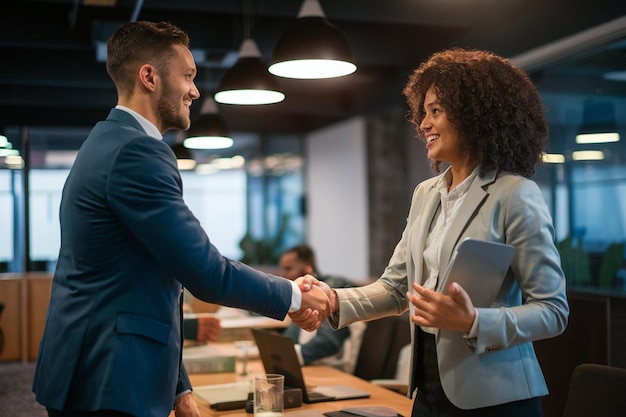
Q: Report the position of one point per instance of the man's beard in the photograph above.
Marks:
(170, 113)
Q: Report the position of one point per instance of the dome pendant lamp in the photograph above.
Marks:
(312, 48)
(248, 82)
(209, 130)
(599, 124)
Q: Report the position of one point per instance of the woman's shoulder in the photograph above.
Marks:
(509, 183)
(511, 179)
(428, 183)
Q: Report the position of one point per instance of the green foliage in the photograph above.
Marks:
(612, 261)
(574, 261)
(265, 251)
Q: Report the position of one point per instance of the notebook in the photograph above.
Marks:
(279, 357)
(229, 396)
(479, 266)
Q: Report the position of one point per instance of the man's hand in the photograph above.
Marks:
(315, 307)
(185, 406)
(306, 282)
(434, 309)
(208, 329)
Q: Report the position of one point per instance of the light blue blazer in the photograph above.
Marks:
(500, 365)
(113, 333)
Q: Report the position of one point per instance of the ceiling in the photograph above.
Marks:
(51, 75)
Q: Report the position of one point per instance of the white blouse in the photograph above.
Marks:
(450, 203)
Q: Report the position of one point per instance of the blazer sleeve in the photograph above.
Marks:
(183, 383)
(387, 295)
(536, 271)
(145, 191)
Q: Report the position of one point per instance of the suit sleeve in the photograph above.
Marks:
(388, 294)
(145, 191)
(183, 383)
(537, 271)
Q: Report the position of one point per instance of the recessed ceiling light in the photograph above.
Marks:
(587, 155)
(615, 76)
(597, 137)
(553, 158)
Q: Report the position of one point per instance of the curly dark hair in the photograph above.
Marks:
(493, 104)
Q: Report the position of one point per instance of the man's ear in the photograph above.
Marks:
(309, 269)
(147, 76)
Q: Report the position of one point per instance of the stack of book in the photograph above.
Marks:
(208, 358)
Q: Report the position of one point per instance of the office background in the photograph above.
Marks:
(335, 163)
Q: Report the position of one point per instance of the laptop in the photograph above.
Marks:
(279, 357)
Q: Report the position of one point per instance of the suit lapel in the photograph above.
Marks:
(421, 228)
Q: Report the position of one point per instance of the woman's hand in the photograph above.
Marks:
(433, 309)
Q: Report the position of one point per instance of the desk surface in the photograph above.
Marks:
(314, 375)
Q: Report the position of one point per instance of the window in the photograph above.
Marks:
(253, 192)
(583, 86)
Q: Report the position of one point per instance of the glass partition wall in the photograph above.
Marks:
(251, 198)
(247, 198)
(584, 177)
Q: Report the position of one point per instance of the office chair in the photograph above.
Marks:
(400, 382)
(382, 341)
(596, 390)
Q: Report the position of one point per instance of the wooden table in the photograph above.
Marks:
(314, 375)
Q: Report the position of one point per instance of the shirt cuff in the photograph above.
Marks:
(187, 391)
(298, 348)
(296, 297)
(473, 333)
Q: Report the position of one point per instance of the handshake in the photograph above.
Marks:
(319, 301)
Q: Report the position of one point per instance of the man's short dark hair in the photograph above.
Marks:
(138, 43)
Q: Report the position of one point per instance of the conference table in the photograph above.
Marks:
(314, 375)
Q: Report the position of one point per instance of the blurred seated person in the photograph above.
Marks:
(201, 329)
(338, 348)
(198, 329)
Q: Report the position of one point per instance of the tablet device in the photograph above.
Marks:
(479, 266)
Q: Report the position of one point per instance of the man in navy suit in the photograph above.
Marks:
(113, 335)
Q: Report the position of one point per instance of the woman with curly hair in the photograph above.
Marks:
(483, 118)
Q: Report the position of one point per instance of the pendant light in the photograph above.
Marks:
(312, 48)
(598, 123)
(209, 130)
(248, 82)
(9, 157)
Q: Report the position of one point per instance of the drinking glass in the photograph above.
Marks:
(269, 395)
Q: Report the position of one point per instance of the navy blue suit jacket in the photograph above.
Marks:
(129, 243)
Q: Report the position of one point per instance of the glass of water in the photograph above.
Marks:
(269, 395)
